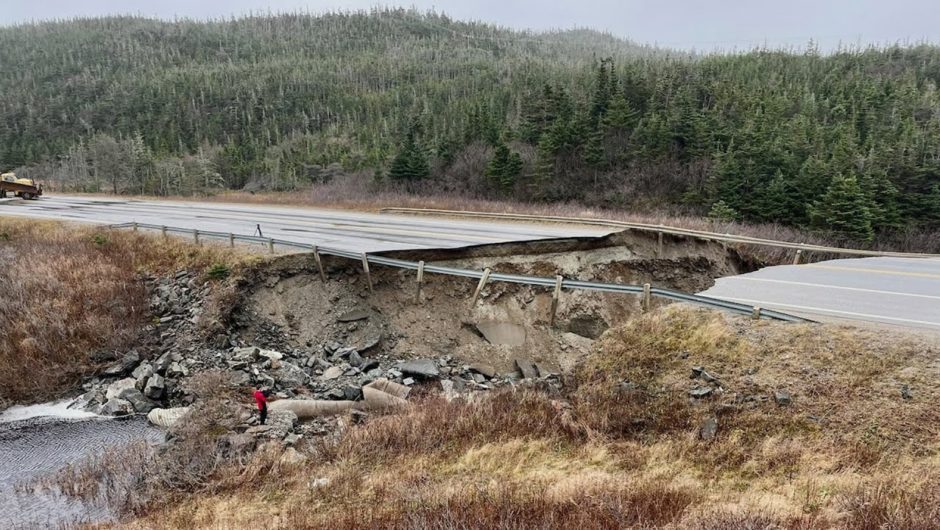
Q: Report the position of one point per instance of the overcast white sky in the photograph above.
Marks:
(701, 24)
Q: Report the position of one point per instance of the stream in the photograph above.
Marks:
(38, 441)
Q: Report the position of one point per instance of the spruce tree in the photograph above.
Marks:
(844, 209)
(505, 166)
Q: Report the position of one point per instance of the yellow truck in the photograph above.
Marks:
(24, 188)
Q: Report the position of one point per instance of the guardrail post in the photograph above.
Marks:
(365, 268)
(483, 279)
(420, 281)
(163, 231)
(135, 226)
(231, 240)
(555, 298)
(756, 314)
(796, 257)
(196, 237)
(271, 245)
(316, 258)
(647, 300)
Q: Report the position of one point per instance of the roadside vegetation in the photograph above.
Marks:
(72, 299)
(804, 426)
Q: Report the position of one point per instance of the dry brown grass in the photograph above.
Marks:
(70, 293)
(848, 453)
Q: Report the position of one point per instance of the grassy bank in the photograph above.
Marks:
(71, 295)
(855, 446)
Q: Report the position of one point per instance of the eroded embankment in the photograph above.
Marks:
(284, 304)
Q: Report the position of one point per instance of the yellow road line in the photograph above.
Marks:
(875, 271)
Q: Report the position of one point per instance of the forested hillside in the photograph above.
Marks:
(847, 142)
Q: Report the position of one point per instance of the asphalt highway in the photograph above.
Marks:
(339, 229)
(894, 291)
(898, 291)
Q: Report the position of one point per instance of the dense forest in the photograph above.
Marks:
(847, 142)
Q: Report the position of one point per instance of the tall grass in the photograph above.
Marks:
(71, 299)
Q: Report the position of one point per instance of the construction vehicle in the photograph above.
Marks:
(24, 188)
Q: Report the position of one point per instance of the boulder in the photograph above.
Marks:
(116, 388)
(126, 364)
(142, 372)
(155, 387)
(246, 355)
(783, 398)
(166, 418)
(289, 375)
(138, 401)
(176, 370)
(426, 368)
(484, 369)
(355, 359)
(527, 369)
(162, 363)
(906, 392)
(117, 407)
(701, 392)
(333, 372)
(279, 423)
(709, 429)
(271, 354)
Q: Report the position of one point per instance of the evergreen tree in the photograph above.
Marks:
(505, 166)
(720, 211)
(844, 209)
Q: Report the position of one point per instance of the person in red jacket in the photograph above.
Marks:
(261, 398)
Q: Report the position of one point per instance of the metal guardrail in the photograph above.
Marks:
(662, 229)
(558, 283)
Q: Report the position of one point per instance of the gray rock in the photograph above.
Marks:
(292, 439)
(343, 353)
(906, 392)
(126, 364)
(354, 315)
(527, 369)
(116, 388)
(245, 355)
(352, 393)
(331, 347)
(176, 370)
(117, 407)
(336, 394)
(240, 378)
(369, 343)
(485, 369)
(783, 398)
(369, 365)
(408, 381)
(155, 387)
(544, 371)
(279, 424)
(426, 368)
(143, 371)
(331, 373)
(271, 355)
(289, 375)
(138, 401)
(701, 392)
(479, 378)
(709, 429)
(162, 363)
(355, 359)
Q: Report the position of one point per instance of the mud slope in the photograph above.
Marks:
(286, 305)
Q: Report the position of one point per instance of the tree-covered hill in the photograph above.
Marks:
(848, 142)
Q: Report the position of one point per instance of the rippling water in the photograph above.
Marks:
(33, 446)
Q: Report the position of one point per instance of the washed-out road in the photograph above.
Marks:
(897, 291)
(338, 229)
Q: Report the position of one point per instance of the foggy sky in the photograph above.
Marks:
(700, 24)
